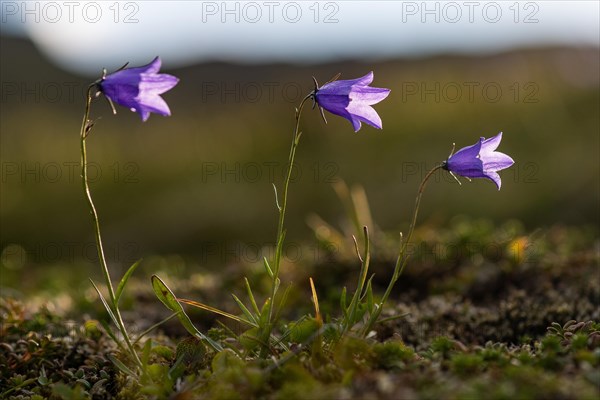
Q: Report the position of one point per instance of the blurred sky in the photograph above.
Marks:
(79, 35)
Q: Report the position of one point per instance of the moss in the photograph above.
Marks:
(353, 354)
(192, 352)
(497, 328)
(392, 354)
(466, 364)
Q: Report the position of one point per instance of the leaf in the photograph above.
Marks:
(174, 371)
(119, 364)
(244, 309)
(141, 335)
(166, 296)
(250, 339)
(251, 296)
(268, 267)
(393, 317)
(343, 305)
(369, 294)
(106, 306)
(276, 197)
(304, 330)
(352, 316)
(110, 333)
(214, 310)
(315, 301)
(124, 280)
(264, 317)
(282, 302)
(146, 352)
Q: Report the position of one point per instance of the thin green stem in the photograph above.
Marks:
(280, 225)
(85, 129)
(86, 126)
(286, 183)
(402, 257)
(350, 320)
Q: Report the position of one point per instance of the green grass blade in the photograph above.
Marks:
(251, 296)
(125, 279)
(106, 306)
(267, 267)
(147, 331)
(264, 312)
(282, 302)
(393, 317)
(358, 293)
(166, 296)
(343, 304)
(369, 295)
(119, 364)
(146, 353)
(215, 310)
(110, 333)
(244, 309)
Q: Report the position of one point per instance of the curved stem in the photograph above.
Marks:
(85, 129)
(86, 126)
(282, 207)
(402, 258)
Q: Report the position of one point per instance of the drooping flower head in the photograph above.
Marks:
(480, 160)
(139, 89)
(352, 99)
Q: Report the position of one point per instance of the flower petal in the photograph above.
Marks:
(364, 113)
(145, 114)
(369, 95)
(155, 104)
(496, 161)
(122, 94)
(157, 83)
(480, 160)
(139, 89)
(335, 104)
(154, 66)
(346, 86)
(352, 99)
(491, 144)
(464, 155)
(364, 80)
(494, 177)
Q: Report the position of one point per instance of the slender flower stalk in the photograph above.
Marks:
(86, 126)
(402, 258)
(280, 225)
(480, 160)
(138, 89)
(351, 99)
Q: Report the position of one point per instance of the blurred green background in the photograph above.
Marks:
(201, 181)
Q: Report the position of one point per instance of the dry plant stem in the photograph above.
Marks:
(402, 257)
(282, 208)
(85, 129)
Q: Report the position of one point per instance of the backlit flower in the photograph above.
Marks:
(352, 99)
(139, 89)
(480, 160)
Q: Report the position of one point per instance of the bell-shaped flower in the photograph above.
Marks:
(139, 89)
(352, 99)
(480, 160)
